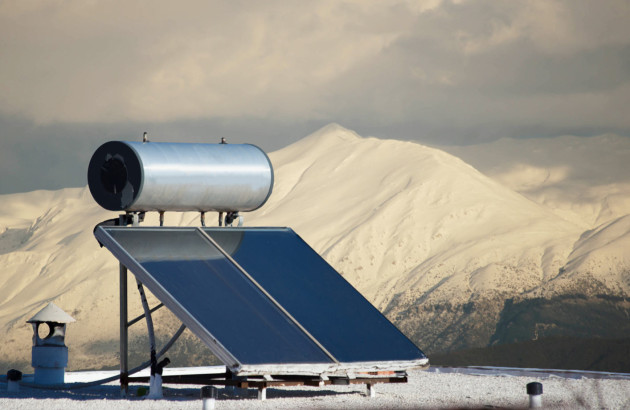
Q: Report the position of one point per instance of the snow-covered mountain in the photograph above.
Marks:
(455, 258)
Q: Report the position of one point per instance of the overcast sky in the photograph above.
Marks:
(74, 74)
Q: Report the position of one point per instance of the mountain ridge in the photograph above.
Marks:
(435, 244)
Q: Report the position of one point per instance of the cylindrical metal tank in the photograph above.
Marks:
(158, 176)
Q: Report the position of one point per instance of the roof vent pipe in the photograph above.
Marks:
(50, 354)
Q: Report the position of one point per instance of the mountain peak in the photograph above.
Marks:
(330, 133)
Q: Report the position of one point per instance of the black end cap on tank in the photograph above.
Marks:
(115, 176)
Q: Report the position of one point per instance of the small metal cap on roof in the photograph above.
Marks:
(51, 313)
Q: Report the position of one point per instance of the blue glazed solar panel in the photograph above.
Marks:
(215, 293)
(316, 295)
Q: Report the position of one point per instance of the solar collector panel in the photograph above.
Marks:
(315, 294)
(208, 288)
(271, 300)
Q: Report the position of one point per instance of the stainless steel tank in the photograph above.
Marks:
(158, 176)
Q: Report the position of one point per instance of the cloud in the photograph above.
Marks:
(489, 64)
(446, 72)
(393, 61)
(109, 61)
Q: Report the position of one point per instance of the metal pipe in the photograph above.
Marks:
(139, 318)
(535, 391)
(149, 320)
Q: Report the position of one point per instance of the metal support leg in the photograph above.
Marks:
(124, 364)
(262, 393)
(371, 391)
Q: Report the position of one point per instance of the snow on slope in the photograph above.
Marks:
(409, 226)
(604, 250)
(586, 180)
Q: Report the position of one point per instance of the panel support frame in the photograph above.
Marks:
(232, 364)
(124, 335)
